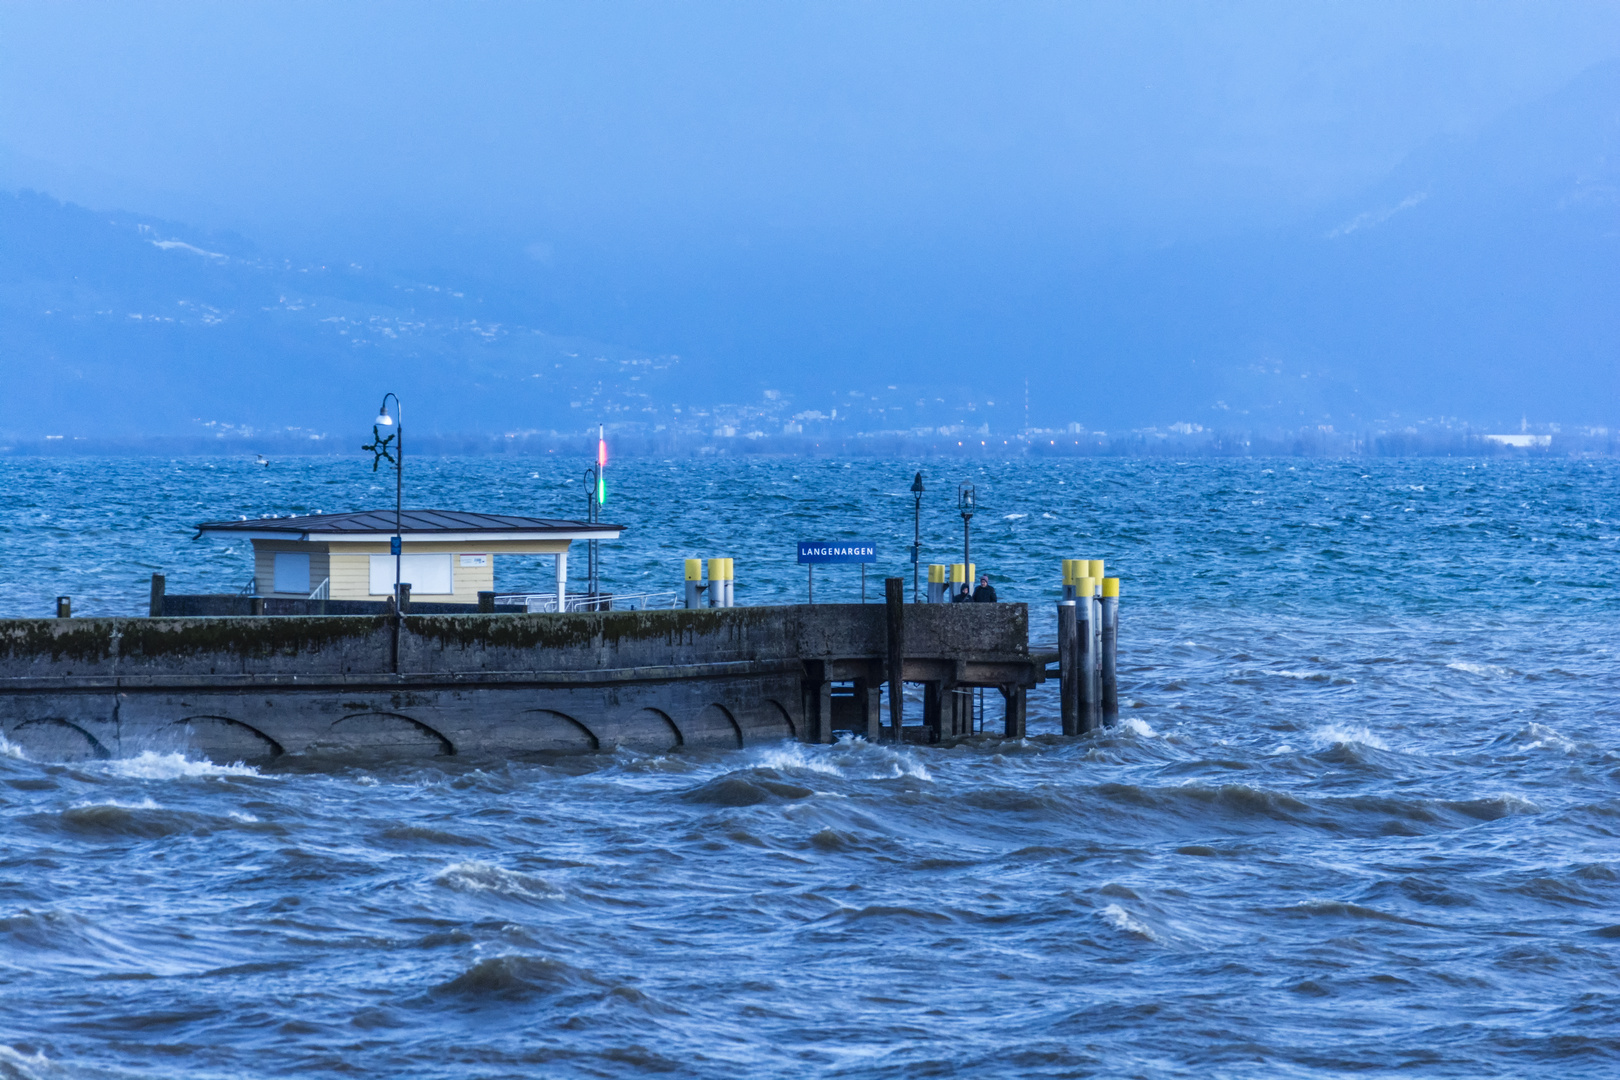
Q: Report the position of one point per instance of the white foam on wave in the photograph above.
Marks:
(1309, 676)
(1479, 669)
(471, 875)
(145, 804)
(1285, 748)
(11, 750)
(1356, 735)
(151, 765)
(1140, 728)
(849, 757)
(1543, 737)
(1513, 803)
(792, 756)
(33, 1066)
(1120, 919)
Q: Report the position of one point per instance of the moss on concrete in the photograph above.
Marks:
(585, 629)
(279, 635)
(86, 641)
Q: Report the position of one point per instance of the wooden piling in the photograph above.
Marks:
(1068, 694)
(155, 604)
(894, 598)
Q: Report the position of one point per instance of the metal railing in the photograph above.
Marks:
(323, 591)
(538, 602)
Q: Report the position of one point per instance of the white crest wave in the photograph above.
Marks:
(1120, 919)
(151, 765)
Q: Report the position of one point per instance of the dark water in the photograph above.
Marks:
(1361, 817)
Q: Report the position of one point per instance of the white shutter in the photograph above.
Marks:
(429, 575)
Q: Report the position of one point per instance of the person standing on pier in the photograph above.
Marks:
(985, 593)
(963, 596)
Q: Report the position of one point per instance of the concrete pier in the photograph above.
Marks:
(252, 689)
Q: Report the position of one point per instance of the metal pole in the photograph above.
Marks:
(916, 546)
(894, 600)
(399, 506)
(811, 568)
(863, 583)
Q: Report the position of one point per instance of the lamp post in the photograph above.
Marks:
(380, 453)
(916, 535)
(966, 503)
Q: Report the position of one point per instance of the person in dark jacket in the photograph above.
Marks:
(986, 592)
(963, 596)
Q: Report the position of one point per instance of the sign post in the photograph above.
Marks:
(812, 552)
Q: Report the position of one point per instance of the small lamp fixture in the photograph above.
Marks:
(383, 419)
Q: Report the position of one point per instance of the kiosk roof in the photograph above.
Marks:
(423, 524)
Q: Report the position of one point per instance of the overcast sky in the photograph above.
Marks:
(554, 125)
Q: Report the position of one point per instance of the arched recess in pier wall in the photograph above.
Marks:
(713, 725)
(646, 728)
(772, 721)
(55, 739)
(550, 730)
(224, 740)
(382, 734)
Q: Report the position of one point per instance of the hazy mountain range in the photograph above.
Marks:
(1476, 282)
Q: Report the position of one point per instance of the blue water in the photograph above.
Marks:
(1360, 817)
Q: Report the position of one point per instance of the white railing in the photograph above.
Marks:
(323, 591)
(537, 602)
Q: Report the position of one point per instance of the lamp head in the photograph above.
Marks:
(917, 484)
(383, 419)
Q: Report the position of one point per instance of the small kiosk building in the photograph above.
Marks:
(447, 556)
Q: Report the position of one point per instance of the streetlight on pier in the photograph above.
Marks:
(916, 536)
(379, 448)
(966, 504)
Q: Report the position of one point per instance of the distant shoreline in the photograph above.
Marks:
(1311, 443)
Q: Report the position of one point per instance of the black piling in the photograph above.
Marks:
(1110, 651)
(155, 604)
(1068, 667)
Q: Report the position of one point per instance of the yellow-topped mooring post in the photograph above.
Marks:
(717, 583)
(958, 576)
(731, 582)
(1110, 650)
(936, 583)
(694, 583)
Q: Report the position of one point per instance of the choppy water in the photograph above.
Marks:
(1361, 817)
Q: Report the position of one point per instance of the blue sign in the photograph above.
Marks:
(393, 545)
(837, 551)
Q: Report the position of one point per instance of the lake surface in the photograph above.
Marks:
(1360, 817)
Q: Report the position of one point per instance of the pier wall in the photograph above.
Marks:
(257, 688)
